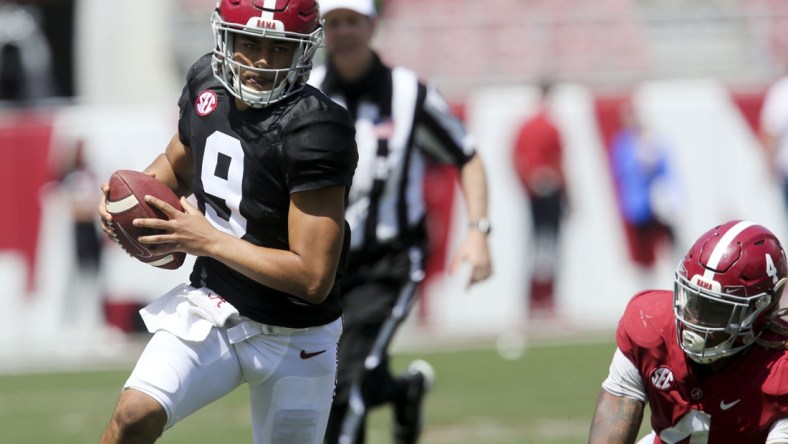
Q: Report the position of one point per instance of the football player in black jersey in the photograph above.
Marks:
(269, 161)
(401, 125)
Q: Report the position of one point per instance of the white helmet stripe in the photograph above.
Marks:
(269, 6)
(722, 245)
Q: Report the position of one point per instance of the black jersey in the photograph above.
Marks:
(247, 163)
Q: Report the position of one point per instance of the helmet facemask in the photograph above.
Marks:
(712, 324)
(286, 81)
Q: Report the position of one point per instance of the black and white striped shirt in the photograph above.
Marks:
(401, 123)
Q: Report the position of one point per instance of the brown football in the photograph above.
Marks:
(126, 202)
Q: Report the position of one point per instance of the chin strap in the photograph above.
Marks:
(692, 341)
(253, 97)
(694, 346)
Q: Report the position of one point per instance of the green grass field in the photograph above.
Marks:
(546, 396)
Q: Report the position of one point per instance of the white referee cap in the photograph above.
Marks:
(363, 7)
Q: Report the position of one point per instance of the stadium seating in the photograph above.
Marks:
(460, 44)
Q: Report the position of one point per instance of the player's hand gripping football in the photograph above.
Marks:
(104, 216)
(187, 231)
(124, 201)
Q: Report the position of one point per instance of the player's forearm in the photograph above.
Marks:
(473, 181)
(174, 167)
(769, 143)
(162, 170)
(281, 270)
(616, 420)
(316, 229)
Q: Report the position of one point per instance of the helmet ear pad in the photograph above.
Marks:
(763, 320)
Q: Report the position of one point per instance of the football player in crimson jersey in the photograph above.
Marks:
(709, 358)
(269, 160)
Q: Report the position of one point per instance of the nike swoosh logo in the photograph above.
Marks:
(143, 252)
(305, 355)
(726, 406)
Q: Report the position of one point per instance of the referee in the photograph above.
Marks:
(401, 124)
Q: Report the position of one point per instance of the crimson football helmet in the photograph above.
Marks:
(726, 288)
(289, 20)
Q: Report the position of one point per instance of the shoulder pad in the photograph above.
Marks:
(647, 321)
(776, 383)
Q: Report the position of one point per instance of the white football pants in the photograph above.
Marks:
(291, 374)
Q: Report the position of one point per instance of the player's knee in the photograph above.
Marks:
(134, 427)
(138, 418)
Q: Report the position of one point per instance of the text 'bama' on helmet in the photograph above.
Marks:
(726, 288)
(294, 22)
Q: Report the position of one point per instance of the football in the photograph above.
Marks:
(126, 202)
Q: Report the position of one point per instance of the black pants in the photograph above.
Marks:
(368, 291)
(546, 214)
(88, 246)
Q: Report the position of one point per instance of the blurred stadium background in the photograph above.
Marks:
(105, 76)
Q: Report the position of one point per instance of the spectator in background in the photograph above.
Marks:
(646, 186)
(79, 185)
(774, 132)
(25, 58)
(12, 74)
(400, 124)
(538, 161)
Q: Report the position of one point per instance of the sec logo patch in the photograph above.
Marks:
(206, 103)
(662, 378)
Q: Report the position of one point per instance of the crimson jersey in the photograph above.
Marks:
(539, 148)
(246, 166)
(738, 404)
